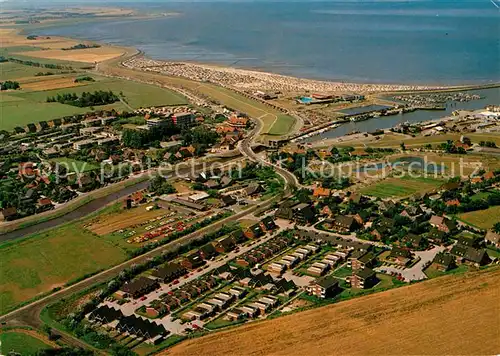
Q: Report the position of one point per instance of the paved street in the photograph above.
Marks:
(175, 326)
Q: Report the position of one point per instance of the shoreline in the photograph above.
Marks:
(392, 87)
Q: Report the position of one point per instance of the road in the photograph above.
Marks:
(30, 314)
(175, 326)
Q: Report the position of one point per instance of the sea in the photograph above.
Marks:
(380, 41)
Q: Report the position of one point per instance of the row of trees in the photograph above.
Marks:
(38, 64)
(96, 98)
(81, 46)
(9, 85)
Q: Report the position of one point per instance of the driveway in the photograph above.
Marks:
(415, 272)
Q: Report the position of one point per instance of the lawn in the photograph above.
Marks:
(47, 260)
(400, 187)
(484, 219)
(23, 107)
(282, 125)
(73, 165)
(20, 343)
(11, 71)
(431, 272)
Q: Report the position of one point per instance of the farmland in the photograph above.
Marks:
(401, 187)
(355, 327)
(47, 260)
(23, 342)
(484, 219)
(23, 107)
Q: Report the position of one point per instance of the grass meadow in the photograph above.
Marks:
(47, 260)
(401, 187)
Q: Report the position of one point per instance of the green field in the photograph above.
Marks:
(75, 166)
(484, 219)
(282, 125)
(10, 71)
(44, 261)
(400, 187)
(20, 108)
(20, 343)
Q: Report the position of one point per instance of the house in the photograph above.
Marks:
(436, 236)
(268, 224)
(489, 175)
(226, 181)
(361, 259)
(186, 152)
(400, 256)
(225, 245)
(415, 241)
(211, 184)
(492, 238)
(207, 251)
(453, 202)
(320, 192)
(169, 272)
(192, 261)
(253, 231)
(363, 279)
(326, 211)
(344, 223)
(470, 255)
(386, 205)
(228, 200)
(303, 213)
(253, 190)
(443, 224)
(443, 262)
(105, 315)
(8, 214)
(139, 286)
(362, 217)
(44, 204)
(325, 287)
(142, 328)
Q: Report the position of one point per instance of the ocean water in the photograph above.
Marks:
(431, 42)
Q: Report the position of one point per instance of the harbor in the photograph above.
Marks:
(380, 119)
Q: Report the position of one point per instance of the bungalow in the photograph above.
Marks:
(443, 262)
(141, 328)
(250, 310)
(363, 279)
(318, 268)
(453, 202)
(238, 292)
(139, 286)
(443, 224)
(105, 315)
(325, 287)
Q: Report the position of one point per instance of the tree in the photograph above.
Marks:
(496, 227)
(403, 147)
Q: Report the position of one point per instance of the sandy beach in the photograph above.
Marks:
(244, 79)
